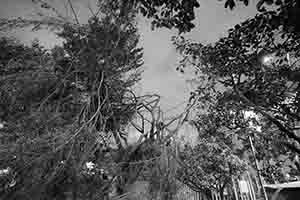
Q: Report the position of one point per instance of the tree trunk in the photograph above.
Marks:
(251, 186)
(234, 189)
(222, 191)
(75, 188)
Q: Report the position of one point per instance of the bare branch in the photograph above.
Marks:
(73, 11)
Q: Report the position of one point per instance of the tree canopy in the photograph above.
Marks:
(253, 69)
(66, 109)
(60, 108)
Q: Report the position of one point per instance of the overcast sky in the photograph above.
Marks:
(160, 76)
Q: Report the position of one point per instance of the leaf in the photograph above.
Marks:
(278, 2)
(269, 2)
(230, 4)
(226, 4)
(143, 11)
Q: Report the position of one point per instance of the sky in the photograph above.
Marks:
(160, 58)
(212, 22)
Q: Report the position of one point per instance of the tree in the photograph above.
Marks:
(218, 156)
(58, 105)
(176, 14)
(233, 67)
(253, 69)
(163, 13)
(162, 174)
(180, 14)
(209, 166)
(72, 103)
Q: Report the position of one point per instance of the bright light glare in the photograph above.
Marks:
(267, 59)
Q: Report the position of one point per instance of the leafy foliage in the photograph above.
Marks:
(219, 154)
(178, 14)
(62, 108)
(234, 68)
(209, 166)
(255, 68)
(58, 105)
(71, 105)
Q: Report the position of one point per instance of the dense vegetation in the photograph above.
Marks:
(66, 109)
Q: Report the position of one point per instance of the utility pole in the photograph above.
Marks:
(258, 169)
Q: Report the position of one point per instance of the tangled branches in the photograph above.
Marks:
(70, 106)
